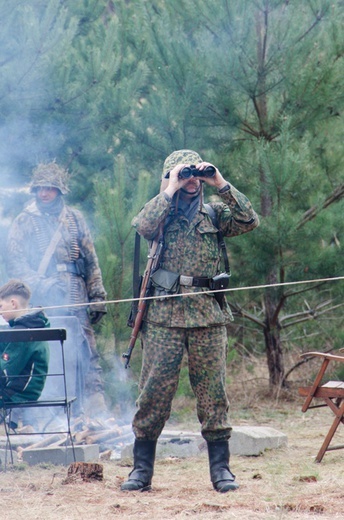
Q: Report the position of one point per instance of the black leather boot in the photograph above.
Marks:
(222, 478)
(140, 478)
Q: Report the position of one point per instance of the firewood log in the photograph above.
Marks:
(46, 442)
(102, 436)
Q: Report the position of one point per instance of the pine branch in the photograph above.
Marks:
(318, 18)
(239, 311)
(310, 214)
(311, 314)
(302, 362)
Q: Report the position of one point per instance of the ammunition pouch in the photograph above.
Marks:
(165, 282)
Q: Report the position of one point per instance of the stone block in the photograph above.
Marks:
(254, 440)
(61, 455)
(173, 444)
(245, 440)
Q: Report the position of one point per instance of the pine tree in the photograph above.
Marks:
(279, 81)
(116, 203)
(257, 85)
(109, 89)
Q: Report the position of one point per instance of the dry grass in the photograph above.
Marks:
(279, 484)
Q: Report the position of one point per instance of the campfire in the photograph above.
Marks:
(106, 433)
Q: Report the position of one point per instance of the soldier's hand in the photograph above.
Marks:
(174, 181)
(217, 180)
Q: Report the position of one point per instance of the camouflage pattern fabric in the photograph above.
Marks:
(195, 324)
(50, 175)
(28, 238)
(163, 351)
(192, 250)
(180, 157)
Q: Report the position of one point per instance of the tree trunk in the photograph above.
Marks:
(272, 338)
(271, 330)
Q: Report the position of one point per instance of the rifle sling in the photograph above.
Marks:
(136, 267)
(220, 239)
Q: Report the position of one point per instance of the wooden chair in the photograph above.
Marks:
(332, 395)
(61, 399)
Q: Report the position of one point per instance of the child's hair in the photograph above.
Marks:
(15, 288)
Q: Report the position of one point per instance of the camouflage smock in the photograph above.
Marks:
(191, 249)
(29, 237)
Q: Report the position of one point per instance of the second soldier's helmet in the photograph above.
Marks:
(50, 175)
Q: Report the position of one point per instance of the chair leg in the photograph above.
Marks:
(8, 447)
(325, 446)
(70, 435)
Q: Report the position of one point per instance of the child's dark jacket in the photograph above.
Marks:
(23, 365)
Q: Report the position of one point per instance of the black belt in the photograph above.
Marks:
(69, 267)
(194, 281)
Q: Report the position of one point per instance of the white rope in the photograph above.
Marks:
(232, 289)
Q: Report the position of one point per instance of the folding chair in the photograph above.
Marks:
(62, 400)
(332, 395)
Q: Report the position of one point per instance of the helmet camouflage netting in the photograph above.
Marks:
(50, 175)
(179, 157)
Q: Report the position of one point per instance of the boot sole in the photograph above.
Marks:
(227, 487)
(143, 488)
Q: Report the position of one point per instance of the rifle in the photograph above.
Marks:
(154, 254)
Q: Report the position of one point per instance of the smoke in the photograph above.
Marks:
(22, 146)
(34, 39)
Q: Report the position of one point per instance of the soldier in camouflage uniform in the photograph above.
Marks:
(195, 324)
(50, 247)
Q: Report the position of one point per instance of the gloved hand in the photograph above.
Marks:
(96, 316)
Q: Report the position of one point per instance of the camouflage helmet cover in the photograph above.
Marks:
(179, 157)
(50, 175)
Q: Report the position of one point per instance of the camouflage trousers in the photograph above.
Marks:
(163, 350)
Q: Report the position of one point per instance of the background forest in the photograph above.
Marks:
(109, 88)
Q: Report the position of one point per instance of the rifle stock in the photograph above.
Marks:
(152, 264)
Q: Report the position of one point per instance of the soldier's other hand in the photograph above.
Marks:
(96, 316)
(217, 180)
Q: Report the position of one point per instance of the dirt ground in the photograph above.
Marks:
(279, 484)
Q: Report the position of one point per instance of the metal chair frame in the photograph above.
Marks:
(64, 401)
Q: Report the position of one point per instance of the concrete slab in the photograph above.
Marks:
(254, 440)
(245, 440)
(61, 455)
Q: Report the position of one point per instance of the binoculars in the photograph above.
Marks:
(192, 171)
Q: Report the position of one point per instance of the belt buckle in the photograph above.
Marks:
(61, 268)
(187, 281)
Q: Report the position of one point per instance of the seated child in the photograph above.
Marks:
(23, 365)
